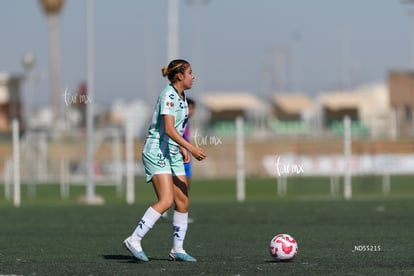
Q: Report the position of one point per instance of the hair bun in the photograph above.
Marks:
(164, 71)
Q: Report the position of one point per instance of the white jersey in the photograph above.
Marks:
(168, 103)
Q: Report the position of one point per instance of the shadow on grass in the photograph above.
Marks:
(129, 259)
(121, 258)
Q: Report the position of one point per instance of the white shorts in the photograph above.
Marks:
(162, 164)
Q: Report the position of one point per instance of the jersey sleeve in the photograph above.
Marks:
(168, 100)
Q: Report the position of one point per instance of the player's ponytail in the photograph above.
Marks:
(164, 71)
(175, 67)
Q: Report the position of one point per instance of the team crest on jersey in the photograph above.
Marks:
(170, 104)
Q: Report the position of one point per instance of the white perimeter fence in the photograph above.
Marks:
(335, 166)
(29, 164)
(281, 167)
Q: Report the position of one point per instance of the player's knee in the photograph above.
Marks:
(166, 202)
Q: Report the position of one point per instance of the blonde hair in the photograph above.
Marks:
(175, 67)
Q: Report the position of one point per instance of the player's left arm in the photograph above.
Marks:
(172, 132)
(185, 154)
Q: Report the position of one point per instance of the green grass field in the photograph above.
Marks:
(49, 236)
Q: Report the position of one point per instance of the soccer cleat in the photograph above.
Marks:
(137, 252)
(181, 257)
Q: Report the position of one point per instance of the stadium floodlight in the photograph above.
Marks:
(52, 9)
(90, 197)
(172, 32)
(410, 13)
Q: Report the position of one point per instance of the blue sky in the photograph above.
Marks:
(260, 46)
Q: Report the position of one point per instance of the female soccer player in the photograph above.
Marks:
(164, 153)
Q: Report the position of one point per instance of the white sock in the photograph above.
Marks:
(145, 224)
(180, 223)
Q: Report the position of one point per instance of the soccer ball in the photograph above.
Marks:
(283, 247)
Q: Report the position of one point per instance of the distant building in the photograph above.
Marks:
(401, 86)
(225, 107)
(292, 114)
(10, 101)
(292, 107)
(228, 106)
(367, 107)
